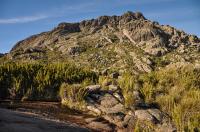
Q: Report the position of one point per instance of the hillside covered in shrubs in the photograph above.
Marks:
(174, 91)
(36, 81)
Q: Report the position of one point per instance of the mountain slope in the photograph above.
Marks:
(129, 42)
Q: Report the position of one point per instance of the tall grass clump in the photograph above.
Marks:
(128, 85)
(177, 92)
(35, 81)
(73, 95)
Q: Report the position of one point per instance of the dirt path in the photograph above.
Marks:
(15, 121)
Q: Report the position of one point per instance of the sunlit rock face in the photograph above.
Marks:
(129, 41)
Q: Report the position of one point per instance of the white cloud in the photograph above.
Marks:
(55, 12)
(24, 19)
(71, 9)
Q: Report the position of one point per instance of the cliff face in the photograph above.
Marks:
(128, 41)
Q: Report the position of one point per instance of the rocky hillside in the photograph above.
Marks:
(126, 42)
(131, 72)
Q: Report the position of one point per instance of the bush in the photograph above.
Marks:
(39, 81)
(73, 95)
(127, 84)
(177, 92)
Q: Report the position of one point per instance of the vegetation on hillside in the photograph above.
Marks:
(39, 81)
(177, 92)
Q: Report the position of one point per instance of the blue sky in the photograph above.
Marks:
(22, 18)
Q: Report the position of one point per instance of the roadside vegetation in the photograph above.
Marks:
(175, 91)
(35, 81)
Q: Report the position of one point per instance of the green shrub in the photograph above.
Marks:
(73, 95)
(39, 81)
(127, 85)
(177, 92)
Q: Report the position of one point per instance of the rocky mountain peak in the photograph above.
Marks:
(68, 27)
(101, 21)
(132, 15)
(129, 40)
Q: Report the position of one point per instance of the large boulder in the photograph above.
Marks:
(109, 104)
(144, 115)
(93, 88)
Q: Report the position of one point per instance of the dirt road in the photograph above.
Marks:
(15, 121)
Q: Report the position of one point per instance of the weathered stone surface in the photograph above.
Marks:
(113, 87)
(119, 96)
(116, 118)
(144, 115)
(93, 88)
(68, 27)
(156, 113)
(94, 109)
(115, 109)
(111, 107)
(166, 127)
(31, 50)
(75, 50)
(138, 97)
(106, 42)
(100, 126)
(108, 101)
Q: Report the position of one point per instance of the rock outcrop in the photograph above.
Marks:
(91, 43)
(109, 104)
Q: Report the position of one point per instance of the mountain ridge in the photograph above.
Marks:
(129, 40)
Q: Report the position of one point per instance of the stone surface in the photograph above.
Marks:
(94, 109)
(108, 101)
(100, 126)
(156, 113)
(113, 87)
(93, 88)
(107, 41)
(111, 107)
(166, 127)
(75, 50)
(144, 115)
(115, 109)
